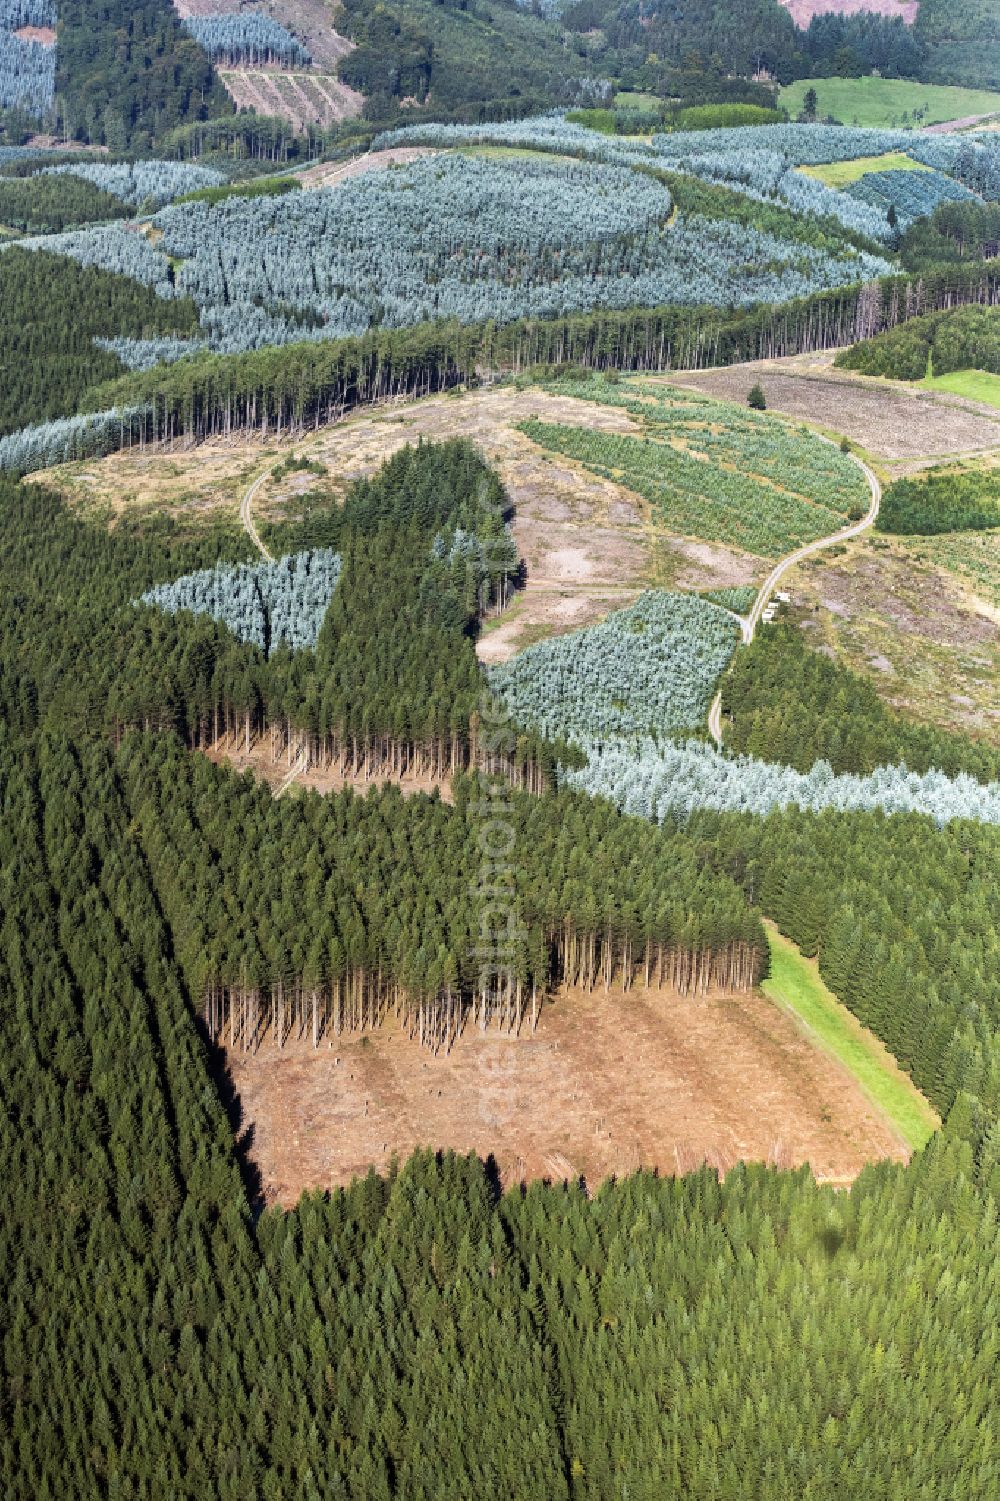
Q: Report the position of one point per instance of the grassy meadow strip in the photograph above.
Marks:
(795, 983)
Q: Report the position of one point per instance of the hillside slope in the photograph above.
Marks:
(306, 93)
(126, 71)
(963, 41)
(467, 51)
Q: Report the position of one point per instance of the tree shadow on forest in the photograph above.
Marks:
(243, 1133)
(493, 1179)
(831, 1239)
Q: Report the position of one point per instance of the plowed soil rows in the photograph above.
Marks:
(301, 98)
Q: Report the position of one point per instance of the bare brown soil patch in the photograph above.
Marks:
(301, 98)
(542, 610)
(607, 1084)
(312, 20)
(697, 560)
(965, 122)
(185, 8)
(284, 775)
(973, 559)
(890, 420)
(888, 609)
(41, 141)
(803, 11)
(44, 35)
(195, 487)
(329, 174)
(590, 545)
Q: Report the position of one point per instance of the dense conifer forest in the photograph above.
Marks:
(163, 919)
(943, 500)
(52, 311)
(419, 1332)
(55, 203)
(961, 43)
(393, 683)
(127, 72)
(790, 704)
(962, 339)
(250, 37)
(954, 232)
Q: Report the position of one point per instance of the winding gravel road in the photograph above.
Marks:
(246, 517)
(750, 622)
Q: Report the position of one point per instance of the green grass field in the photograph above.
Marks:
(508, 153)
(977, 385)
(629, 100)
(795, 984)
(888, 101)
(841, 174)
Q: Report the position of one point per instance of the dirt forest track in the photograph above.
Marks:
(325, 174)
(750, 622)
(246, 516)
(947, 127)
(777, 573)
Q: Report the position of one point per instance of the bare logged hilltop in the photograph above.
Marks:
(803, 11)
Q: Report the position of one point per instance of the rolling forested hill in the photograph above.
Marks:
(459, 53)
(962, 41)
(124, 75)
(406, 638)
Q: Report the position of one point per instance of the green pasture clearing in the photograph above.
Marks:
(976, 385)
(888, 101)
(629, 100)
(506, 153)
(795, 983)
(842, 174)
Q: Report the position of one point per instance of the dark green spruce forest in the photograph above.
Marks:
(421, 1334)
(181, 283)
